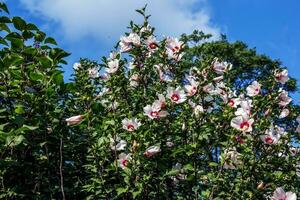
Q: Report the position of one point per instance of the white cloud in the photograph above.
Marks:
(106, 20)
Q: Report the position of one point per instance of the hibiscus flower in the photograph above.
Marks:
(113, 66)
(151, 151)
(74, 120)
(281, 77)
(253, 89)
(123, 160)
(280, 194)
(242, 123)
(176, 95)
(130, 124)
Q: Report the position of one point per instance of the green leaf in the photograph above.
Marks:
(188, 167)
(4, 27)
(19, 23)
(2, 126)
(14, 140)
(213, 164)
(121, 190)
(31, 27)
(19, 109)
(2, 41)
(4, 7)
(50, 40)
(4, 19)
(46, 62)
(58, 78)
(30, 127)
(110, 122)
(36, 76)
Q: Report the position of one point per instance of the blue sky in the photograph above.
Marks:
(90, 28)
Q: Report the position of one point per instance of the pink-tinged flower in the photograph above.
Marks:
(223, 94)
(191, 88)
(284, 113)
(123, 160)
(218, 79)
(209, 88)
(269, 138)
(198, 109)
(173, 47)
(154, 111)
(105, 76)
(134, 39)
(112, 56)
(234, 102)
(161, 102)
(93, 72)
(170, 144)
(152, 43)
(174, 44)
(174, 55)
(133, 81)
(283, 98)
(176, 95)
(242, 112)
(151, 151)
(126, 42)
(294, 151)
(77, 66)
(118, 145)
(113, 66)
(146, 29)
(282, 77)
(231, 158)
(253, 89)
(74, 120)
(220, 67)
(242, 123)
(272, 135)
(280, 194)
(164, 76)
(130, 124)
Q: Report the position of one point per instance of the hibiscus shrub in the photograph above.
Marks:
(190, 119)
(160, 118)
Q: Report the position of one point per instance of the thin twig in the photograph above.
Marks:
(60, 170)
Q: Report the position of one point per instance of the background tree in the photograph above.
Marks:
(32, 111)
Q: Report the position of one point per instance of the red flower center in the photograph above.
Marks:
(175, 97)
(280, 77)
(244, 125)
(194, 90)
(124, 162)
(231, 103)
(130, 127)
(154, 114)
(152, 45)
(176, 48)
(269, 140)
